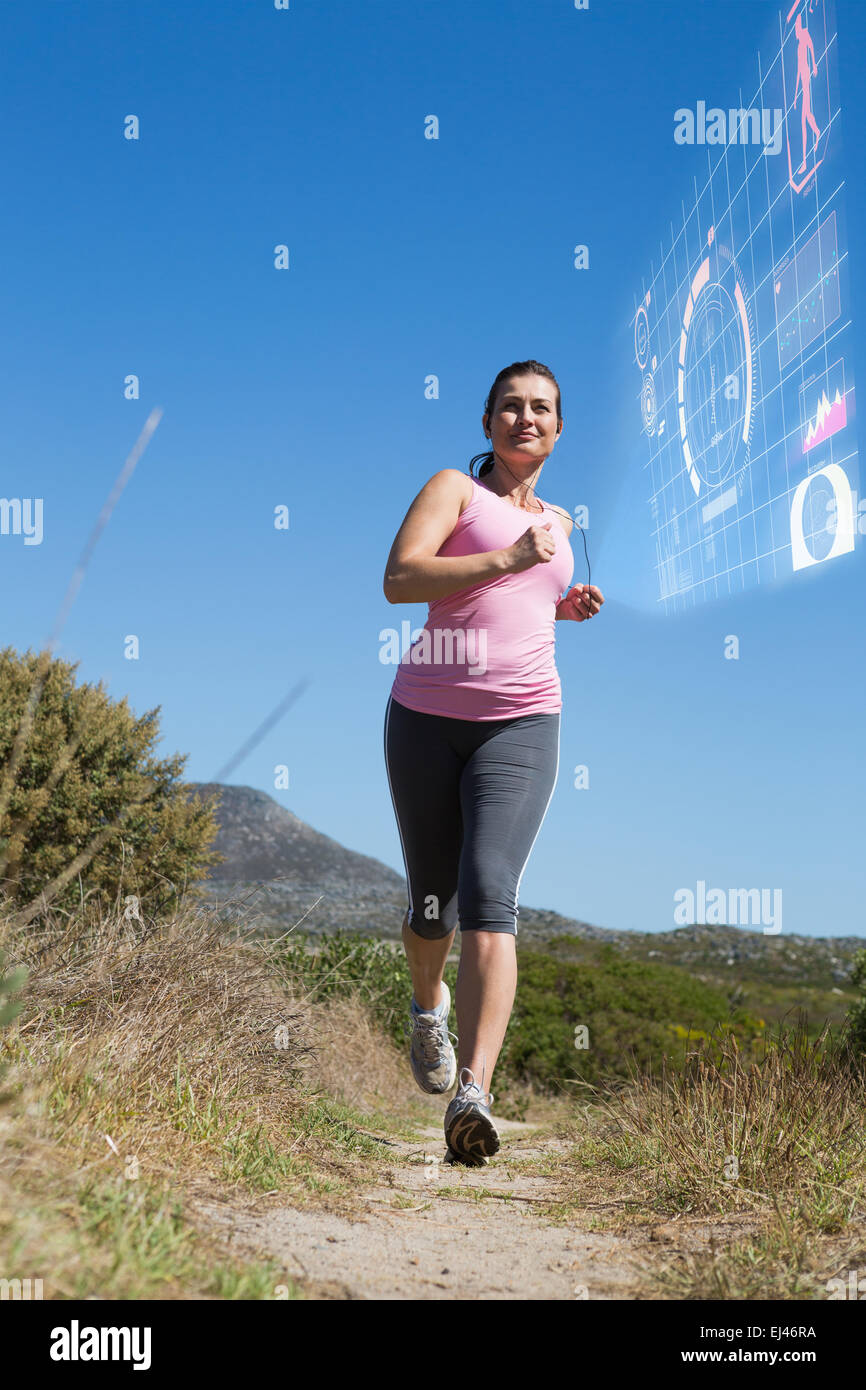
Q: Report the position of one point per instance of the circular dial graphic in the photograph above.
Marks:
(715, 386)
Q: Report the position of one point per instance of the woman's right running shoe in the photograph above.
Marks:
(434, 1064)
(469, 1128)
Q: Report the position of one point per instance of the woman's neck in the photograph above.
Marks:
(509, 485)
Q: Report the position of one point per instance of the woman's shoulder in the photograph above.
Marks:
(452, 483)
(453, 477)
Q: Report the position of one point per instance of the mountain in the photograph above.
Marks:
(279, 871)
(282, 870)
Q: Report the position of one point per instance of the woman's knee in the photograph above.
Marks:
(487, 927)
(488, 897)
(431, 922)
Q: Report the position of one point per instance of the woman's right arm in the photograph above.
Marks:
(416, 574)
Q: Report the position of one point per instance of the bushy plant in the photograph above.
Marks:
(86, 808)
(633, 1012)
(855, 1022)
(10, 983)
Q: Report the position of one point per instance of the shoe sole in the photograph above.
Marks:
(451, 1158)
(472, 1134)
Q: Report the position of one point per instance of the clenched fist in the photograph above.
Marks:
(535, 547)
(583, 601)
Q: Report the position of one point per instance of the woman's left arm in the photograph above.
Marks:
(584, 600)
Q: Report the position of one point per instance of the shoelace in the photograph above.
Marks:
(467, 1086)
(429, 1028)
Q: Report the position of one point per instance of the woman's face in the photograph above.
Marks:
(523, 426)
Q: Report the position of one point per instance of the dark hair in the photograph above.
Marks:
(530, 368)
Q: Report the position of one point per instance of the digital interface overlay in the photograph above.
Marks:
(743, 339)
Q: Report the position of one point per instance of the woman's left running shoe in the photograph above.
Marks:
(469, 1128)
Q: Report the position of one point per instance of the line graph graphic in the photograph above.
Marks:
(823, 407)
(742, 344)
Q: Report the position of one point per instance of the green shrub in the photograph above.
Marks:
(9, 984)
(855, 1022)
(85, 806)
(634, 1012)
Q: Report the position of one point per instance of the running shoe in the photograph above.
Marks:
(469, 1129)
(434, 1063)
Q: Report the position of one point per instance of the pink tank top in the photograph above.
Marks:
(487, 652)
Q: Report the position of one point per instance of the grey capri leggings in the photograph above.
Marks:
(469, 796)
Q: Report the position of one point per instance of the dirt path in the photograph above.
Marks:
(432, 1229)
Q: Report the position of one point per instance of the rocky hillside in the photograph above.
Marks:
(278, 871)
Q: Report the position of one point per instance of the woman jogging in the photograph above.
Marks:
(472, 731)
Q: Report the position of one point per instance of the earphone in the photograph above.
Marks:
(564, 513)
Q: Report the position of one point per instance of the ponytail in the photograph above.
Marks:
(486, 466)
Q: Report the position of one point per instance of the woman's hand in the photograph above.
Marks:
(535, 547)
(583, 601)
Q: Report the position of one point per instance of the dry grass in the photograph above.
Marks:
(722, 1135)
(140, 1030)
(354, 1062)
(123, 1000)
(153, 1060)
(762, 1166)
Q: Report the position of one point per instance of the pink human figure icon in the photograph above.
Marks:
(807, 68)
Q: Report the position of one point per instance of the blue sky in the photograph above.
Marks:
(407, 257)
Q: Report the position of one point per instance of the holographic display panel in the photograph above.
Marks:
(742, 336)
